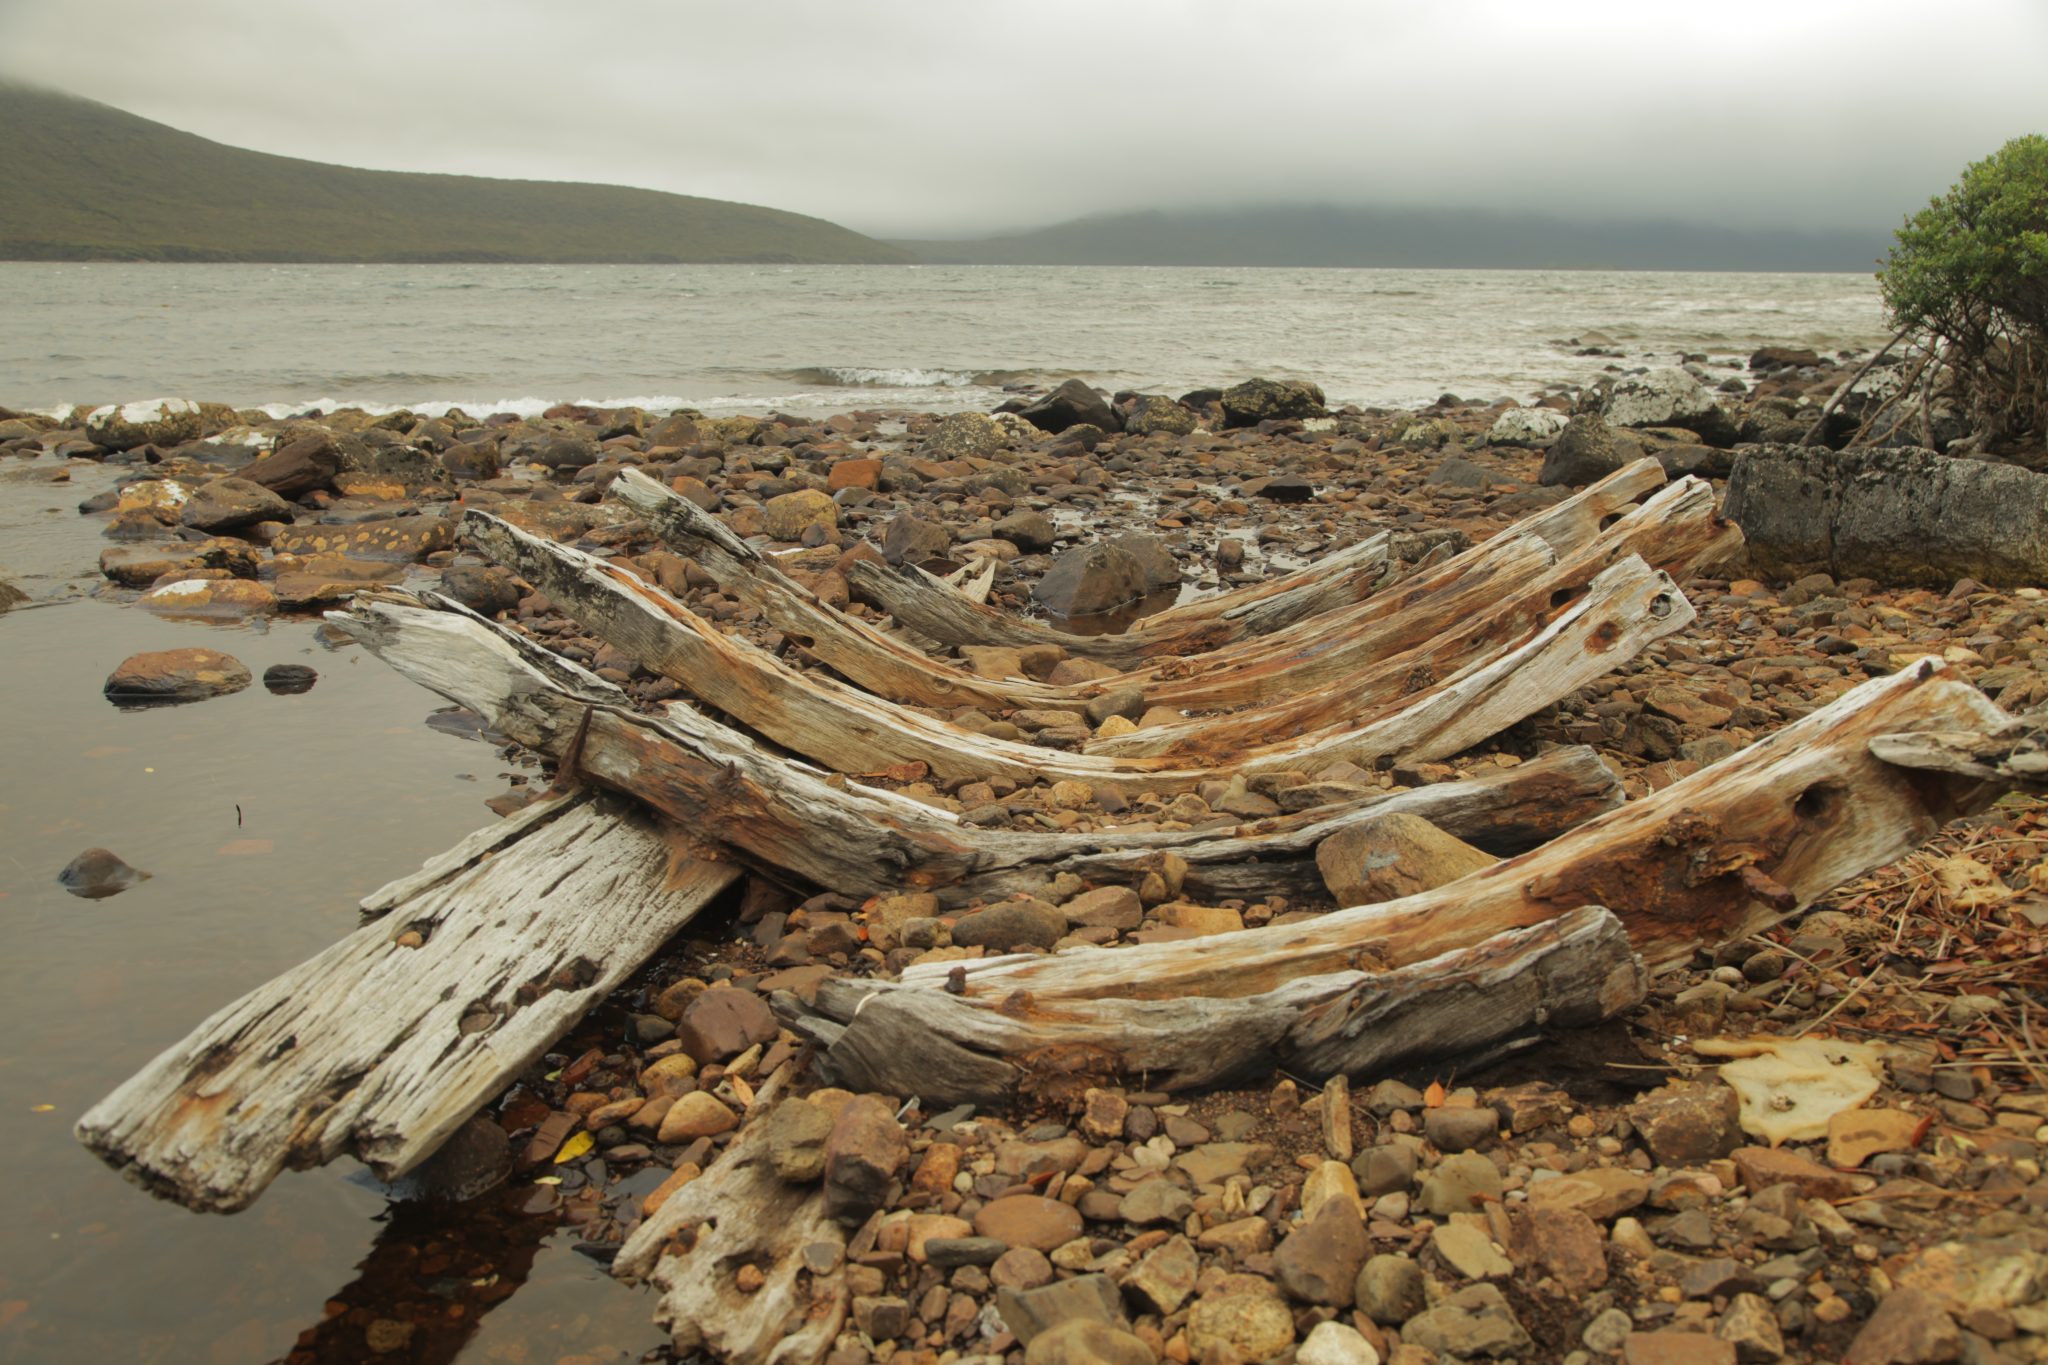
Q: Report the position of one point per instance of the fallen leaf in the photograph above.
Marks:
(41, 1108)
(1433, 1098)
(575, 1147)
(244, 848)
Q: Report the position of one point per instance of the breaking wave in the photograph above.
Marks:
(904, 377)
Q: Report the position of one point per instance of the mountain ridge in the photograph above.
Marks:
(91, 182)
(1315, 235)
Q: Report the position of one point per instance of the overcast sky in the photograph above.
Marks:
(937, 117)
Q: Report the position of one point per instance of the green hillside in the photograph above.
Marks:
(89, 182)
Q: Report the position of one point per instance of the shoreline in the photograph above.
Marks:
(1228, 506)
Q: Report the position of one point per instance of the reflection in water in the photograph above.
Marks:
(431, 1277)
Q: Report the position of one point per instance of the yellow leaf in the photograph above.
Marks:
(41, 1108)
(1433, 1098)
(744, 1091)
(575, 1147)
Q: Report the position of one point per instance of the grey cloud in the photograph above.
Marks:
(923, 118)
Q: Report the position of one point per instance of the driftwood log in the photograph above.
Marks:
(1714, 857)
(740, 1213)
(1623, 610)
(384, 1044)
(918, 600)
(793, 820)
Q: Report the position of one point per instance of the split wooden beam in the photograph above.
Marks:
(793, 820)
(1711, 858)
(918, 600)
(383, 1045)
(1622, 611)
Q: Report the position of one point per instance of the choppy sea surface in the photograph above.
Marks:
(815, 339)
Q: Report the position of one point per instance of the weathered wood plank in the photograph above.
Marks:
(788, 817)
(1713, 857)
(739, 1213)
(381, 1051)
(901, 1039)
(1623, 610)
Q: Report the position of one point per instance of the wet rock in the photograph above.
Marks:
(1009, 925)
(1682, 1125)
(1090, 578)
(1472, 1322)
(724, 1022)
(797, 1132)
(1390, 856)
(298, 468)
(98, 873)
(1072, 404)
(1254, 1326)
(1526, 427)
(863, 1153)
(1767, 358)
(1320, 1260)
(485, 589)
(400, 540)
(210, 599)
(1390, 1290)
(175, 675)
(566, 452)
(1086, 1343)
(286, 680)
(1669, 397)
(232, 504)
(1266, 400)
(476, 1158)
(1029, 1220)
(10, 596)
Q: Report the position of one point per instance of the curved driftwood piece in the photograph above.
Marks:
(1571, 971)
(1438, 639)
(918, 600)
(740, 1213)
(380, 1050)
(1625, 609)
(2016, 756)
(1713, 857)
(791, 819)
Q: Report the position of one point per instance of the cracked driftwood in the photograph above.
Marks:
(379, 1050)
(1674, 530)
(1623, 610)
(1710, 858)
(741, 1213)
(792, 820)
(918, 600)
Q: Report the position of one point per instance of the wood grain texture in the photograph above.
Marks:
(380, 1051)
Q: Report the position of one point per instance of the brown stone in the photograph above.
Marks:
(1676, 1348)
(1564, 1244)
(1683, 1125)
(1320, 1260)
(865, 1150)
(1029, 1220)
(1763, 1167)
(170, 675)
(724, 1022)
(1391, 856)
(1856, 1135)
(1909, 1328)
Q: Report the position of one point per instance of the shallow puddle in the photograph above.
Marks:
(262, 819)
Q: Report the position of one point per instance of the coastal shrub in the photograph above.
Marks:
(1969, 275)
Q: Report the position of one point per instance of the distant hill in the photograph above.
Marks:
(88, 182)
(1328, 235)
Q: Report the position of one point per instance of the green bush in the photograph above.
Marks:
(1969, 275)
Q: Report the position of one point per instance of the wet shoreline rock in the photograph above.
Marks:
(167, 676)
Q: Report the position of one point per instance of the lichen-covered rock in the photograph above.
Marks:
(963, 436)
(210, 599)
(1901, 517)
(1152, 414)
(150, 422)
(1266, 400)
(1526, 427)
(173, 675)
(792, 514)
(232, 504)
(1669, 397)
